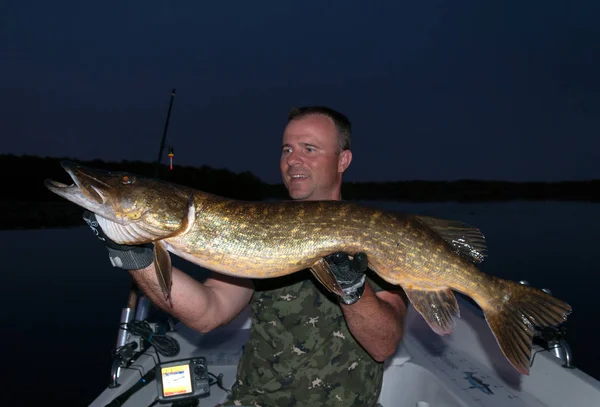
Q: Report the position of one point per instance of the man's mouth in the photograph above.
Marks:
(298, 176)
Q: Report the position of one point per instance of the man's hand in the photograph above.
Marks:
(122, 256)
(349, 274)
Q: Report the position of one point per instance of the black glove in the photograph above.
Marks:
(121, 255)
(349, 274)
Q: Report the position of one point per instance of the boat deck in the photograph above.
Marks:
(462, 369)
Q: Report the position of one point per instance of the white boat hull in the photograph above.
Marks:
(462, 369)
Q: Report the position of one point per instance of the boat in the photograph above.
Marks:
(465, 368)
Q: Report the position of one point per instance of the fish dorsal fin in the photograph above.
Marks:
(468, 241)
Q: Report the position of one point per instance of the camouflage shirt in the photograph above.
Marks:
(300, 351)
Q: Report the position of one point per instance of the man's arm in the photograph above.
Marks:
(200, 306)
(376, 321)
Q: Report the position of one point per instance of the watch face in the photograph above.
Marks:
(354, 295)
(350, 299)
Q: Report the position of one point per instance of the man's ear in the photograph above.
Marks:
(344, 160)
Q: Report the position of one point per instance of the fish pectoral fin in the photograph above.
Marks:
(436, 306)
(162, 265)
(188, 221)
(467, 240)
(323, 273)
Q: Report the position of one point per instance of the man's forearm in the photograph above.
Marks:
(375, 324)
(193, 303)
(196, 293)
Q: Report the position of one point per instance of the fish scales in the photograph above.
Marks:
(266, 240)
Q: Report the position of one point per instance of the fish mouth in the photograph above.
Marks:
(88, 190)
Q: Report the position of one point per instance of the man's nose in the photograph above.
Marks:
(294, 158)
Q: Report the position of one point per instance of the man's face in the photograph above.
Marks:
(311, 167)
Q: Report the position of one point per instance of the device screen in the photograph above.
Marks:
(176, 380)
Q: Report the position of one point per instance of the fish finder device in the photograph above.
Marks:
(182, 379)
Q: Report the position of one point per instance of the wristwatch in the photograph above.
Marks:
(353, 295)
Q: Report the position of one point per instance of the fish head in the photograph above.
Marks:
(125, 198)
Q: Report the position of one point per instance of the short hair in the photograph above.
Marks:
(342, 124)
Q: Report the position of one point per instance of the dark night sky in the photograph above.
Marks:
(435, 89)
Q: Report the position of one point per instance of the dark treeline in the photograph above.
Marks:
(474, 191)
(23, 177)
(462, 191)
(26, 203)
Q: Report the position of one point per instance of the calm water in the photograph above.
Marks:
(63, 299)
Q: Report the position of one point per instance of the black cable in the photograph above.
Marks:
(164, 345)
(122, 398)
(218, 381)
(545, 349)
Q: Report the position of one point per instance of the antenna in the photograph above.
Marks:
(171, 155)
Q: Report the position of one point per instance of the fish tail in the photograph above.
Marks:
(513, 311)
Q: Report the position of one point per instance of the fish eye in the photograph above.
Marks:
(127, 179)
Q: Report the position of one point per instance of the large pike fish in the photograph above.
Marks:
(428, 257)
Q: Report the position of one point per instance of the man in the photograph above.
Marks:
(306, 345)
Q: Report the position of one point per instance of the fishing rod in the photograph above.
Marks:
(164, 137)
(138, 304)
(143, 303)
